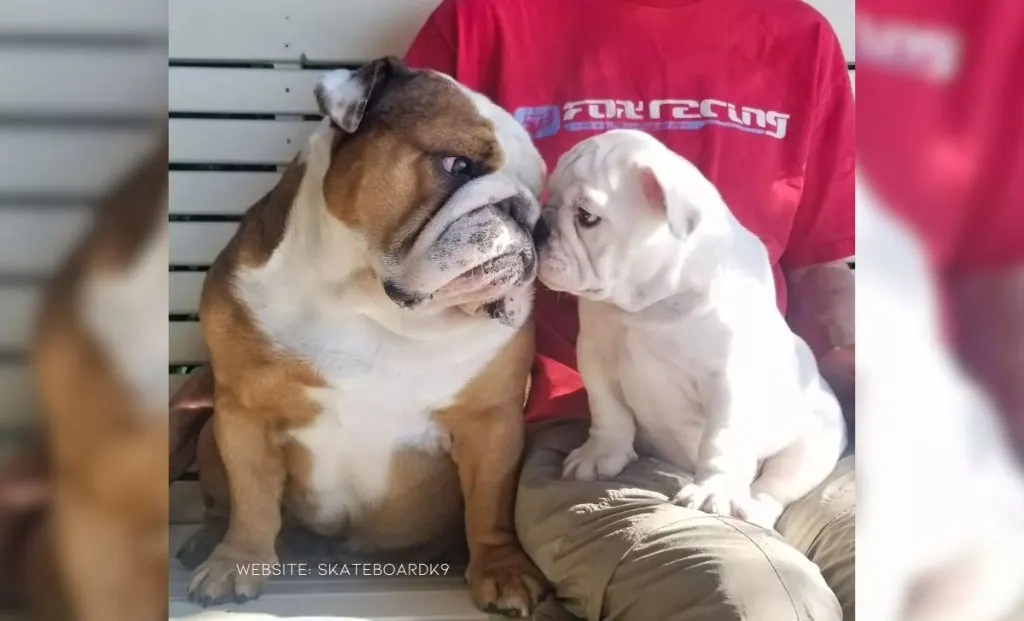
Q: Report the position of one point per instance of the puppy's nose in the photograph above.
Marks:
(400, 296)
(541, 232)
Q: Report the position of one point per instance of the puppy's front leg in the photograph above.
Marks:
(726, 462)
(255, 470)
(487, 446)
(609, 447)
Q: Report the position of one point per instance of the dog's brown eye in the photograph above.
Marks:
(585, 218)
(457, 166)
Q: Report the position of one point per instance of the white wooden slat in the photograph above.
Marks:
(216, 192)
(34, 240)
(82, 81)
(186, 345)
(116, 17)
(236, 141)
(267, 91)
(17, 315)
(286, 30)
(185, 287)
(841, 14)
(19, 400)
(199, 243)
(60, 160)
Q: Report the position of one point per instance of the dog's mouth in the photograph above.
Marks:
(474, 262)
(488, 282)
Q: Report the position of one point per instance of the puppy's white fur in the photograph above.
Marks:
(682, 347)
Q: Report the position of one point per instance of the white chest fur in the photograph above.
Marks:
(663, 363)
(381, 389)
(386, 369)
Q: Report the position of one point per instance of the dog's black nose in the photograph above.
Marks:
(541, 232)
(400, 296)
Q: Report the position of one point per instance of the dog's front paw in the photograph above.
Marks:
(228, 575)
(598, 459)
(505, 580)
(718, 495)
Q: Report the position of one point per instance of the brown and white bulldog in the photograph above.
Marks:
(370, 337)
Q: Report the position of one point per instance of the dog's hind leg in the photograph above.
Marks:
(793, 472)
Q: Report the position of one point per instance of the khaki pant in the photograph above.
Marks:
(619, 550)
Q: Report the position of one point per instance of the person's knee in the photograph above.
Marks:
(544, 502)
(620, 550)
(822, 526)
(707, 568)
(631, 557)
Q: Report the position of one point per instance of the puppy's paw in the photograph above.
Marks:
(598, 459)
(718, 495)
(229, 576)
(504, 580)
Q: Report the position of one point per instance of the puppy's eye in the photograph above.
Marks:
(586, 219)
(458, 166)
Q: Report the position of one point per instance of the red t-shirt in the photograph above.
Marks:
(945, 148)
(755, 92)
(945, 145)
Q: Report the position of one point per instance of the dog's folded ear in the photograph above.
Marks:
(344, 95)
(663, 194)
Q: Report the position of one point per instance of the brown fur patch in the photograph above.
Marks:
(248, 373)
(258, 391)
(263, 226)
(385, 180)
(486, 426)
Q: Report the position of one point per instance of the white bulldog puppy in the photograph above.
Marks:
(682, 347)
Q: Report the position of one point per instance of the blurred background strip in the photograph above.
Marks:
(82, 86)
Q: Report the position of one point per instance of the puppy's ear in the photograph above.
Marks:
(344, 96)
(662, 195)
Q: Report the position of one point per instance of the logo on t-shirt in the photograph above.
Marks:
(931, 52)
(656, 115)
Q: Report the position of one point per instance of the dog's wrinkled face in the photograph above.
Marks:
(441, 182)
(614, 216)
